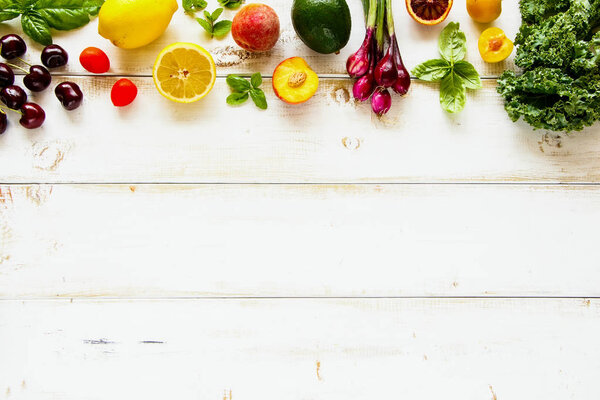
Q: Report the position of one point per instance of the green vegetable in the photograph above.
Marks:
(218, 29)
(559, 54)
(455, 74)
(231, 4)
(242, 89)
(39, 16)
(191, 6)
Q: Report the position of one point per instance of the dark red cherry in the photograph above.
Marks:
(3, 122)
(7, 76)
(54, 56)
(13, 46)
(13, 96)
(33, 116)
(69, 94)
(38, 78)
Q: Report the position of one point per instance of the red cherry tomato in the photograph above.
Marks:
(123, 92)
(94, 60)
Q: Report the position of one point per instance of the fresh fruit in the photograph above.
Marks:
(294, 81)
(33, 116)
(494, 46)
(184, 72)
(7, 76)
(94, 60)
(69, 94)
(38, 78)
(12, 46)
(123, 93)
(429, 12)
(323, 25)
(3, 122)
(130, 24)
(256, 27)
(13, 96)
(484, 11)
(54, 56)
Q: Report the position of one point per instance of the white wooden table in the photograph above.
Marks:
(167, 251)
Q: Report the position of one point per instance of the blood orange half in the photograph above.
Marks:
(429, 12)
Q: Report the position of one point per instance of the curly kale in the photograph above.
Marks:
(560, 56)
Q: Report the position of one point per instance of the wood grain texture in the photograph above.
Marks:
(299, 349)
(162, 241)
(327, 140)
(418, 43)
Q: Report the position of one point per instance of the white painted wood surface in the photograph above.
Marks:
(84, 213)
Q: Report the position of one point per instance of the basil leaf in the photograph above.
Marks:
(205, 24)
(190, 6)
(469, 75)
(452, 43)
(258, 97)
(216, 14)
(92, 6)
(9, 9)
(238, 83)
(453, 93)
(256, 80)
(62, 14)
(235, 99)
(222, 28)
(36, 28)
(432, 70)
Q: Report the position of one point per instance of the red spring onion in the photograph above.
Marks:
(381, 101)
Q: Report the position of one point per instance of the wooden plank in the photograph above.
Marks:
(328, 140)
(418, 43)
(300, 349)
(298, 240)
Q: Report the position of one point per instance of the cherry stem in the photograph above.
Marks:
(3, 110)
(17, 67)
(23, 61)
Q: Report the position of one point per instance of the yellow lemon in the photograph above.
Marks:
(184, 72)
(129, 24)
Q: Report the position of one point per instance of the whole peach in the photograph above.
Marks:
(256, 27)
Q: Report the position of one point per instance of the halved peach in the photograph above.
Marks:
(294, 81)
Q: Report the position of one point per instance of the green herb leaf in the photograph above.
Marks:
(469, 74)
(36, 28)
(238, 83)
(9, 9)
(432, 70)
(258, 97)
(452, 43)
(222, 28)
(237, 98)
(190, 6)
(216, 14)
(207, 15)
(453, 93)
(231, 4)
(205, 24)
(63, 14)
(256, 80)
(92, 6)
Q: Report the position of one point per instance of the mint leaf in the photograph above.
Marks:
(452, 43)
(469, 75)
(222, 28)
(62, 14)
(36, 28)
(190, 6)
(9, 9)
(258, 97)
(432, 70)
(235, 99)
(208, 16)
(453, 93)
(256, 80)
(216, 14)
(238, 83)
(206, 25)
(231, 4)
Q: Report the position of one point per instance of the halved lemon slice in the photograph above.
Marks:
(184, 72)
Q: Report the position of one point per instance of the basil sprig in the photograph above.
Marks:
(455, 74)
(242, 89)
(39, 16)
